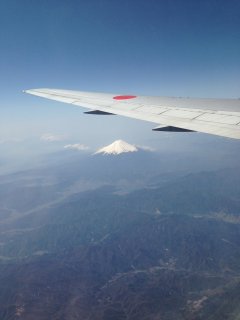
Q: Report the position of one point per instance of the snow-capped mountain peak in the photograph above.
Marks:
(117, 147)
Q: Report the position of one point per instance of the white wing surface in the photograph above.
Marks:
(214, 116)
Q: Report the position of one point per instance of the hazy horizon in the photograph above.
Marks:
(167, 48)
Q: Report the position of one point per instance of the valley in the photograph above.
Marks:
(86, 240)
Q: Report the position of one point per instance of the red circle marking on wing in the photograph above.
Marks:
(124, 97)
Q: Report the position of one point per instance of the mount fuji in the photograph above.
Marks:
(117, 147)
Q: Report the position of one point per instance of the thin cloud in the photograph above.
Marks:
(76, 146)
(52, 137)
(10, 140)
(146, 148)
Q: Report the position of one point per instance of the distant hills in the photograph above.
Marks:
(119, 237)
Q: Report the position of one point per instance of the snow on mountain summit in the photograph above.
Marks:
(117, 147)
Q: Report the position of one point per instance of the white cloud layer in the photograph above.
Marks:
(52, 137)
(76, 146)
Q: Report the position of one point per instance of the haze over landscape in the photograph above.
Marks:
(133, 235)
(100, 217)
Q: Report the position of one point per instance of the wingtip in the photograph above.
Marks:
(29, 91)
(26, 91)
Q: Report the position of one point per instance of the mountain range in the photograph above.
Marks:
(119, 237)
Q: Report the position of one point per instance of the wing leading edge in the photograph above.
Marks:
(213, 116)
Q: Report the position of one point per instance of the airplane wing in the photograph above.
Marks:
(213, 116)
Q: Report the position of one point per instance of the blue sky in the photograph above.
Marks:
(154, 47)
